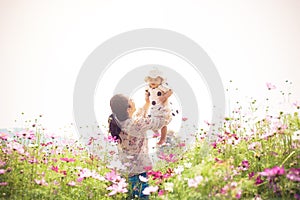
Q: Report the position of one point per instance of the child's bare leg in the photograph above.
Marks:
(163, 135)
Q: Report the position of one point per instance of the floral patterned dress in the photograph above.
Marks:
(133, 150)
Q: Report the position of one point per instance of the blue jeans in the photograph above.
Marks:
(138, 186)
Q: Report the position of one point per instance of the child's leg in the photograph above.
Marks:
(163, 135)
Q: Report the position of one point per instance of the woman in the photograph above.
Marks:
(130, 132)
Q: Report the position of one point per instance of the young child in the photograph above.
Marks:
(159, 92)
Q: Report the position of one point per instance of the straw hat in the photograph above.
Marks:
(155, 73)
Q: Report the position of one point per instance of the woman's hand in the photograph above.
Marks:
(147, 104)
(147, 97)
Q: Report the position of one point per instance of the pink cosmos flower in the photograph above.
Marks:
(33, 160)
(80, 179)
(245, 165)
(72, 183)
(225, 189)
(27, 134)
(184, 119)
(161, 192)
(270, 86)
(258, 180)
(41, 182)
(238, 195)
(67, 159)
(91, 140)
(297, 104)
(2, 171)
(150, 189)
(86, 173)
(16, 147)
(181, 144)
(250, 175)
(3, 184)
(294, 174)
(112, 176)
(111, 139)
(254, 145)
(194, 182)
(147, 168)
(2, 163)
(118, 187)
(64, 172)
(168, 158)
(3, 136)
(273, 171)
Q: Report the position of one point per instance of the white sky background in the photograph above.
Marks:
(43, 45)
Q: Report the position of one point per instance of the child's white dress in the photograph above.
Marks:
(157, 108)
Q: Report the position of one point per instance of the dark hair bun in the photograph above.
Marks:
(114, 129)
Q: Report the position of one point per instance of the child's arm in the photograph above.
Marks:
(166, 95)
(143, 111)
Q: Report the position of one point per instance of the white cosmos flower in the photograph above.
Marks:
(296, 135)
(169, 187)
(179, 169)
(143, 179)
(187, 165)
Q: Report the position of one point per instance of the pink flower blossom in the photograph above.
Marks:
(297, 104)
(161, 192)
(3, 183)
(270, 86)
(118, 187)
(147, 168)
(245, 165)
(150, 189)
(168, 158)
(26, 134)
(41, 182)
(112, 176)
(33, 160)
(64, 172)
(2, 163)
(86, 173)
(194, 182)
(80, 179)
(258, 180)
(273, 171)
(184, 119)
(2, 171)
(254, 145)
(16, 147)
(238, 195)
(225, 189)
(72, 183)
(111, 139)
(91, 140)
(67, 159)
(3, 136)
(294, 174)
(181, 144)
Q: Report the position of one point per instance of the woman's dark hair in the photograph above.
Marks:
(119, 105)
(114, 129)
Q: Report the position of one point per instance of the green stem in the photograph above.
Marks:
(287, 158)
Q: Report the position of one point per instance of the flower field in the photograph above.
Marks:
(250, 158)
